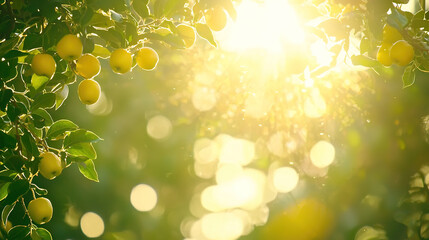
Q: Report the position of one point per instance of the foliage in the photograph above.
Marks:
(28, 103)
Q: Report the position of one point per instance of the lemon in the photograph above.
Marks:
(147, 58)
(187, 33)
(50, 165)
(308, 220)
(383, 54)
(40, 210)
(44, 65)
(69, 47)
(216, 19)
(391, 34)
(89, 91)
(88, 66)
(402, 53)
(121, 61)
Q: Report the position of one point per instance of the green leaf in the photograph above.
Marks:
(80, 136)
(409, 76)
(42, 118)
(5, 213)
(43, 234)
(397, 19)
(87, 169)
(88, 45)
(8, 174)
(46, 100)
(16, 190)
(101, 21)
(116, 16)
(364, 61)
(100, 51)
(140, 6)
(112, 36)
(173, 40)
(15, 110)
(8, 69)
(82, 150)
(61, 96)
(418, 23)
(86, 16)
(15, 54)
(8, 45)
(29, 144)
(5, 96)
(40, 191)
(19, 232)
(14, 163)
(38, 81)
(60, 127)
(204, 31)
(3, 190)
(420, 15)
(7, 141)
(32, 41)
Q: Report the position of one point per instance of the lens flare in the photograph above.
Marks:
(265, 25)
(159, 127)
(92, 225)
(322, 154)
(285, 179)
(143, 197)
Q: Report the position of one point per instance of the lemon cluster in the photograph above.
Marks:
(88, 66)
(394, 49)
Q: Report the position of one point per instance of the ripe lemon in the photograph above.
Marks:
(308, 220)
(40, 210)
(69, 47)
(44, 65)
(89, 91)
(121, 61)
(391, 34)
(216, 18)
(187, 33)
(402, 53)
(147, 58)
(50, 165)
(383, 54)
(88, 66)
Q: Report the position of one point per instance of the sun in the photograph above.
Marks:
(262, 25)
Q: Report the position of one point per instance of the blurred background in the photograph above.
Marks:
(254, 140)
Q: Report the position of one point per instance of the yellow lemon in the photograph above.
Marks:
(147, 58)
(216, 19)
(383, 54)
(44, 65)
(121, 61)
(40, 210)
(391, 34)
(69, 47)
(88, 66)
(89, 91)
(308, 220)
(50, 165)
(402, 53)
(187, 33)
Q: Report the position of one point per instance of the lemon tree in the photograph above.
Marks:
(48, 48)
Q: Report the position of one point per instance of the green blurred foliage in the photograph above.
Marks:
(377, 120)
